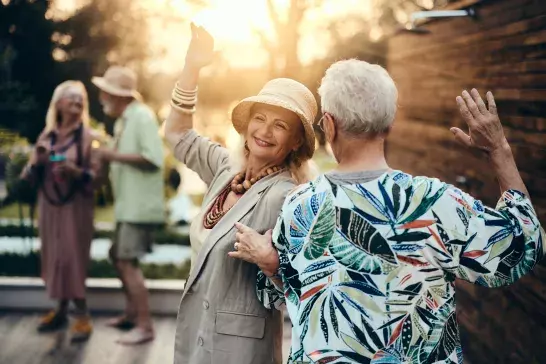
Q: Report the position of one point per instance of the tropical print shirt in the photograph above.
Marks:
(368, 269)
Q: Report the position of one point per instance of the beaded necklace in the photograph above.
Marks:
(239, 185)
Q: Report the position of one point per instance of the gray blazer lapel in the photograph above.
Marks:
(241, 208)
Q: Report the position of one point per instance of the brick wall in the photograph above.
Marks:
(504, 51)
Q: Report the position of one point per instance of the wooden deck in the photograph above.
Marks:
(21, 344)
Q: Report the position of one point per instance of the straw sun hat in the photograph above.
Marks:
(118, 81)
(290, 95)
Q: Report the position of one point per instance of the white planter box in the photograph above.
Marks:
(103, 295)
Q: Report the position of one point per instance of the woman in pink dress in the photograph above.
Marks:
(64, 171)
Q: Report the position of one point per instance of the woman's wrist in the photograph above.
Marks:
(189, 78)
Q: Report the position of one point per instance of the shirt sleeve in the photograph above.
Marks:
(269, 294)
(486, 246)
(149, 141)
(201, 155)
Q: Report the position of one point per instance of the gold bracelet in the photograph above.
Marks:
(192, 99)
(185, 92)
(183, 109)
(187, 102)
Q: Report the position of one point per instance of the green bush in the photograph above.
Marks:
(18, 190)
(28, 265)
(20, 265)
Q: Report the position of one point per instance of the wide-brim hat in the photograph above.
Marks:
(290, 95)
(118, 81)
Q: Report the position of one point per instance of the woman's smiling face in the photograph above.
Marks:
(273, 132)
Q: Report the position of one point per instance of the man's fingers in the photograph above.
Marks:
(478, 100)
(470, 104)
(461, 137)
(242, 228)
(491, 103)
(237, 255)
(463, 109)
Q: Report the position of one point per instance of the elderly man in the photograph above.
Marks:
(368, 255)
(136, 173)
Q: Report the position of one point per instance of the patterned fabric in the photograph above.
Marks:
(368, 269)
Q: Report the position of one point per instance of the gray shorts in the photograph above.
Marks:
(132, 241)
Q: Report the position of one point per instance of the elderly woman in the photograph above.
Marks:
(63, 169)
(369, 255)
(220, 319)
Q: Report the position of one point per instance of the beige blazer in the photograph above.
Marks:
(220, 320)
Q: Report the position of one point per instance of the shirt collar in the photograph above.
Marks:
(129, 109)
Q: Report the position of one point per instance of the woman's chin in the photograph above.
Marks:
(261, 154)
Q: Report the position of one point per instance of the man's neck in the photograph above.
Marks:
(361, 155)
(123, 108)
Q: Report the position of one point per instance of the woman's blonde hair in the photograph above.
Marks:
(52, 116)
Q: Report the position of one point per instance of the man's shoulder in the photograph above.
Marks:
(307, 190)
(141, 113)
(405, 180)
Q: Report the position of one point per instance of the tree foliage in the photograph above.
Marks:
(102, 33)
(28, 72)
(37, 52)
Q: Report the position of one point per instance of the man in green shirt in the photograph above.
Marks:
(136, 173)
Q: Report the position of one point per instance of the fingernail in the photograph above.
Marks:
(453, 130)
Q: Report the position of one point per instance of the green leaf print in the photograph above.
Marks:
(363, 236)
(421, 203)
(353, 258)
(322, 230)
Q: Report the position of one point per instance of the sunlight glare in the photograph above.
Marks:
(235, 21)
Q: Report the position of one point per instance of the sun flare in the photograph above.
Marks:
(235, 21)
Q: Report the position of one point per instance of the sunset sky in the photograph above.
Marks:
(234, 24)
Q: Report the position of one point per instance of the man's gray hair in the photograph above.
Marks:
(360, 96)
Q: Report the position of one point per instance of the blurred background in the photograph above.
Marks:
(497, 45)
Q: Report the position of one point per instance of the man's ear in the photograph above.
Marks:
(389, 129)
(329, 128)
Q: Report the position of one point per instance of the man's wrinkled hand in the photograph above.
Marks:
(254, 248)
(484, 127)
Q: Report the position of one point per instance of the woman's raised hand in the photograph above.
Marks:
(201, 49)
